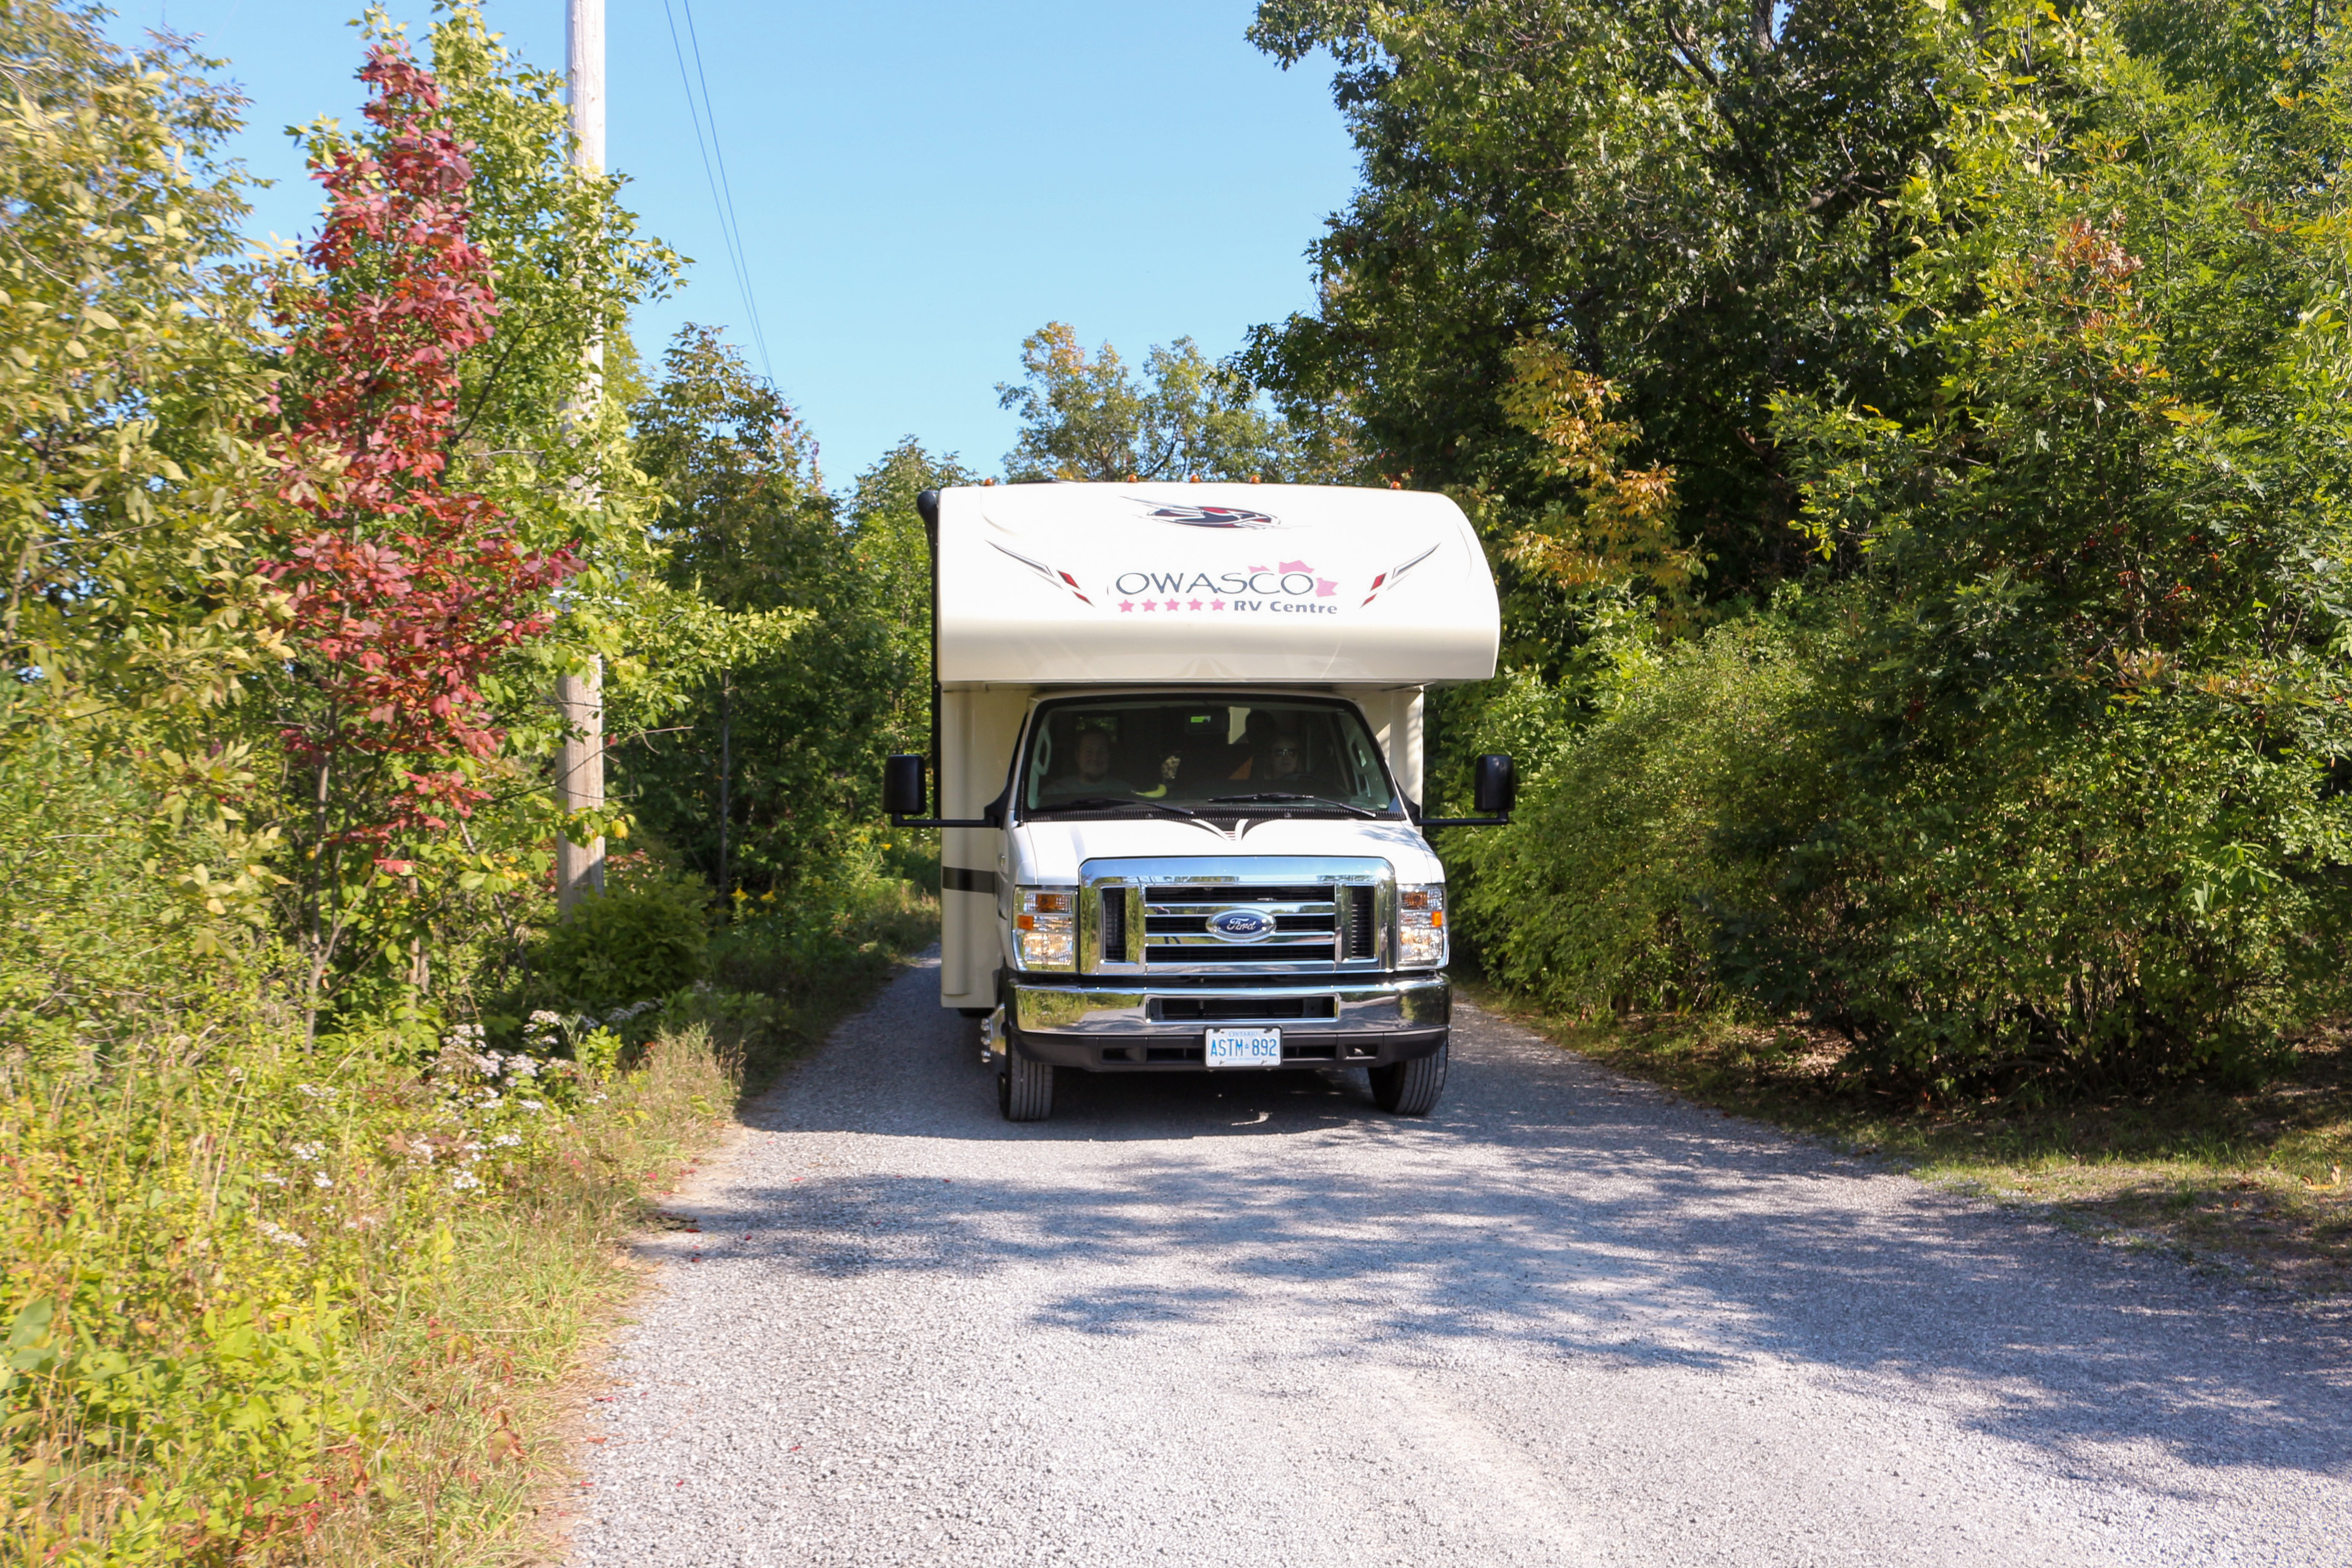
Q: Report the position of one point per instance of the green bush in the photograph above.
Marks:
(261, 1294)
(2059, 904)
(1597, 897)
(644, 939)
(2142, 893)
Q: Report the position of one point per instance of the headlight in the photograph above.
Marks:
(1046, 929)
(1421, 926)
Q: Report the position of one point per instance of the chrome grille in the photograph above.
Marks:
(1153, 915)
(1176, 923)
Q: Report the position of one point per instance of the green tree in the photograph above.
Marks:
(1688, 201)
(2064, 794)
(1093, 418)
(767, 777)
(131, 383)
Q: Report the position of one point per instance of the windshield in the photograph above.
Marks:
(1251, 756)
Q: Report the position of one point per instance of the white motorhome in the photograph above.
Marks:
(1179, 736)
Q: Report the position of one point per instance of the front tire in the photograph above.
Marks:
(1025, 1089)
(1411, 1088)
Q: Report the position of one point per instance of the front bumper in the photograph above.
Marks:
(1109, 1027)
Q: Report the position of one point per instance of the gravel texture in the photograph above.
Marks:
(1250, 1320)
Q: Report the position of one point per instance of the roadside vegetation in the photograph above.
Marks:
(319, 1127)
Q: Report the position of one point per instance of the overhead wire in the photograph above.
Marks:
(727, 191)
(714, 172)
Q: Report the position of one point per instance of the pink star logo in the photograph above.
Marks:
(1295, 566)
(1171, 604)
(1325, 588)
(1216, 604)
(1126, 605)
(1196, 604)
(1148, 604)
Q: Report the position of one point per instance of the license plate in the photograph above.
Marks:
(1245, 1048)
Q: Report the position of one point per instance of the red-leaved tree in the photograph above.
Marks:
(402, 592)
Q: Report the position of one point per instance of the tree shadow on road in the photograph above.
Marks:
(1549, 1210)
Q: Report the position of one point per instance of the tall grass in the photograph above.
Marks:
(306, 1310)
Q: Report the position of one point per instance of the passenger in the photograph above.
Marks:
(1286, 763)
(1257, 733)
(1094, 775)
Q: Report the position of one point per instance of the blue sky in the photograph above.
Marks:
(919, 184)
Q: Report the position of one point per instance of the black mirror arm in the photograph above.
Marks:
(1502, 821)
(992, 815)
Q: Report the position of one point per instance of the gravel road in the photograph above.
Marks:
(1250, 1320)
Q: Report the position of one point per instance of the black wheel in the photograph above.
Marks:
(1025, 1089)
(1411, 1088)
(975, 1012)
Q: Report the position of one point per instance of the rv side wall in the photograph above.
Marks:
(1394, 714)
(979, 727)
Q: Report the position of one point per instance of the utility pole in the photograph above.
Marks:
(579, 767)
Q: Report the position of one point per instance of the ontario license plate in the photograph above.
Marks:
(1245, 1048)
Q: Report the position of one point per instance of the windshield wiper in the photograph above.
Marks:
(1110, 803)
(1274, 795)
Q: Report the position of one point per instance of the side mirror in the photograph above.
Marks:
(903, 787)
(1497, 789)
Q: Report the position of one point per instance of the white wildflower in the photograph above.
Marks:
(532, 1105)
(464, 1181)
(279, 1234)
(315, 1090)
(506, 1140)
(320, 1178)
(272, 1177)
(309, 1153)
(521, 1066)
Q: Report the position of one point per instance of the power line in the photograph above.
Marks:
(722, 195)
(719, 151)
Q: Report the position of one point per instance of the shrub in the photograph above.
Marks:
(642, 940)
(2106, 904)
(1598, 896)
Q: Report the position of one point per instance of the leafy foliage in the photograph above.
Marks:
(1688, 200)
(768, 775)
(643, 940)
(2069, 797)
(1085, 418)
(1604, 895)
(399, 592)
(128, 385)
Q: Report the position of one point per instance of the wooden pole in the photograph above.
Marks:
(580, 769)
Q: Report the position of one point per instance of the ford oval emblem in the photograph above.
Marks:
(1240, 925)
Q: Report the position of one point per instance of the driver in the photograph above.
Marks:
(1094, 775)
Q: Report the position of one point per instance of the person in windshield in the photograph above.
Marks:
(1285, 764)
(1094, 775)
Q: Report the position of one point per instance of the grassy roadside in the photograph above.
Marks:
(2250, 1181)
(281, 1305)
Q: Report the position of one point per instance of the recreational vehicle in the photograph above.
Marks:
(1178, 734)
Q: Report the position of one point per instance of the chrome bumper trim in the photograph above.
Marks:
(1363, 1007)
